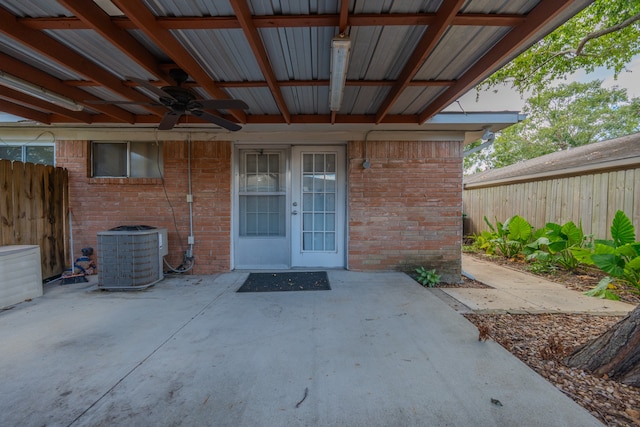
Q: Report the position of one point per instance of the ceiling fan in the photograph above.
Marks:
(183, 101)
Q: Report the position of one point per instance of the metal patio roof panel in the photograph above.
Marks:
(259, 99)
(413, 98)
(100, 51)
(27, 55)
(298, 53)
(363, 99)
(458, 50)
(380, 53)
(225, 55)
(293, 7)
(189, 8)
(149, 44)
(516, 7)
(262, 53)
(307, 99)
(35, 8)
(105, 93)
(390, 6)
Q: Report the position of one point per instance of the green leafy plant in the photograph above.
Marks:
(511, 236)
(541, 266)
(483, 242)
(603, 290)
(427, 278)
(619, 257)
(554, 244)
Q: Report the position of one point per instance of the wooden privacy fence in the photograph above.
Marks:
(592, 198)
(34, 206)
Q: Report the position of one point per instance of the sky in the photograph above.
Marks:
(507, 99)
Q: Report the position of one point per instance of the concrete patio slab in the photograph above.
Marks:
(376, 350)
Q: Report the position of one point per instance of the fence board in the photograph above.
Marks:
(31, 192)
(6, 203)
(33, 202)
(20, 204)
(592, 198)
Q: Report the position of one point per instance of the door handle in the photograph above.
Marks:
(294, 212)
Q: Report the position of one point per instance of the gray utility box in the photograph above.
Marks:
(131, 257)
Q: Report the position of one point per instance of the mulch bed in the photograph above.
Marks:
(543, 340)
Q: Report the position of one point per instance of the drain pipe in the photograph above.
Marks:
(190, 239)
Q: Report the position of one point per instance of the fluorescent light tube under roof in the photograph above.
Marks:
(340, 49)
(36, 91)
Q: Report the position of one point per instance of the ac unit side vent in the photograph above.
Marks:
(130, 259)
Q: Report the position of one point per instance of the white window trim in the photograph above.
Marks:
(128, 172)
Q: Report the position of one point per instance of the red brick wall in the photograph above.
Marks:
(101, 203)
(406, 210)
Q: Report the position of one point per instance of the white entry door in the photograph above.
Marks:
(318, 206)
(290, 208)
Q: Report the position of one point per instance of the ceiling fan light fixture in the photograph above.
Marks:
(39, 92)
(340, 50)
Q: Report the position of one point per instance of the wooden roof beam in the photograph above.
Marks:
(426, 45)
(61, 54)
(243, 13)
(282, 21)
(30, 101)
(98, 20)
(343, 21)
(283, 83)
(27, 113)
(541, 15)
(147, 22)
(38, 77)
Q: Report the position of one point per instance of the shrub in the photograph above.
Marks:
(619, 257)
(427, 278)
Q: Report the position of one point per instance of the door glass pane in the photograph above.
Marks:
(261, 172)
(318, 202)
(262, 215)
(262, 198)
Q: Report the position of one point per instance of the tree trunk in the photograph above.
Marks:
(616, 353)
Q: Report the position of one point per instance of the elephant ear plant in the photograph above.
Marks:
(554, 244)
(511, 236)
(619, 257)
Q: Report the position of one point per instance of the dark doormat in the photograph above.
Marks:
(298, 281)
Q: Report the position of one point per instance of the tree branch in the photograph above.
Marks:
(591, 36)
(605, 31)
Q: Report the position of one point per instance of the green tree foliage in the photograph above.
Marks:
(558, 118)
(605, 34)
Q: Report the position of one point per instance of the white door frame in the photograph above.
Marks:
(330, 257)
(267, 256)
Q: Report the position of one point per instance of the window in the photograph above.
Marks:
(127, 159)
(33, 153)
(262, 194)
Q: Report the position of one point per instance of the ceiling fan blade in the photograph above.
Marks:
(216, 120)
(169, 120)
(156, 90)
(221, 104)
